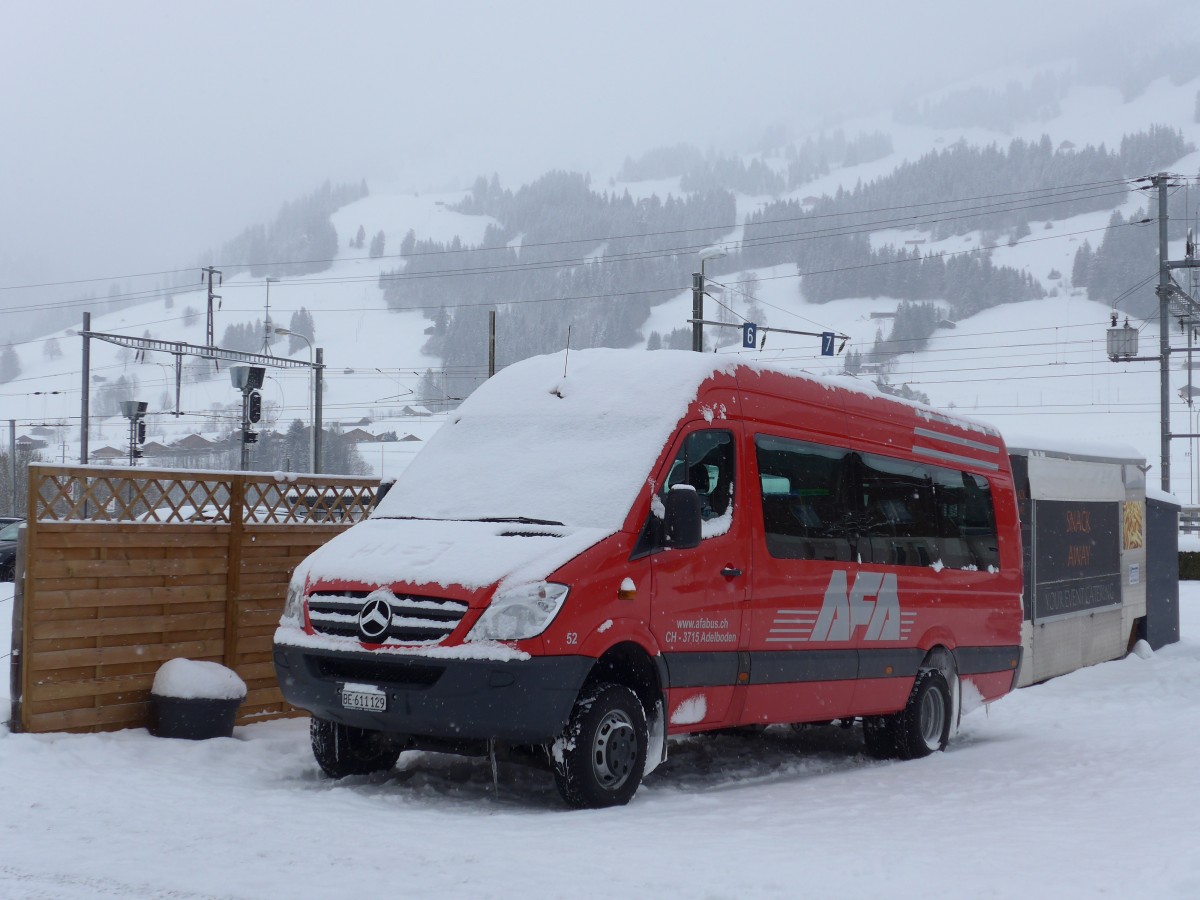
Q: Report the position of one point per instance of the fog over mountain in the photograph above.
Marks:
(139, 134)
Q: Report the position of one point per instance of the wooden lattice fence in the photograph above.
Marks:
(123, 569)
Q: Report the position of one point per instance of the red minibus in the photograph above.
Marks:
(601, 550)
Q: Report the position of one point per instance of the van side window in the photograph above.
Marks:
(896, 509)
(968, 520)
(829, 503)
(803, 499)
(914, 514)
(705, 461)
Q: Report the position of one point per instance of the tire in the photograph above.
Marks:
(923, 727)
(341, 750)
(601, 757)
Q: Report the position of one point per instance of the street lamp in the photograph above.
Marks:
(698, 297)
(312, 440)
(267, 317)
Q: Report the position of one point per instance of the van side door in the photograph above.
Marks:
(700, 593)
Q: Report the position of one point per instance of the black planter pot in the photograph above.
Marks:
(192, 719)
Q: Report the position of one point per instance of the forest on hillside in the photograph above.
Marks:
(604, 258)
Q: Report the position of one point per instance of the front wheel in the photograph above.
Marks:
(341, 750)
(601, 756)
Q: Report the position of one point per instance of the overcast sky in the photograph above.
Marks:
(138, 134)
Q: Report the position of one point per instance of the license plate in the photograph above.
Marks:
(372, 701)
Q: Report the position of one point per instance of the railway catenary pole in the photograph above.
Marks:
(1164, 335)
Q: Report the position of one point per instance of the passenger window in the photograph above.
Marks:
(967, 522)
(897, 513)
(918, 515)
(705, 461)
(803, 499)
(829, 503)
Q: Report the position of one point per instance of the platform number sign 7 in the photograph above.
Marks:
(827, 343)
(749, 335)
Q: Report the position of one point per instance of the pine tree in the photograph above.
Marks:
(377, 244)
(10, 364)
(1083, 261)
(359, 238)
(300, 323)
(297, 447)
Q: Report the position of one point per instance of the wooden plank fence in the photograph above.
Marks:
(123, 569)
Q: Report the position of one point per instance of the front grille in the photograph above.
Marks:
(415, 620)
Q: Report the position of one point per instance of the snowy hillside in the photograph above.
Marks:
(1038, 366)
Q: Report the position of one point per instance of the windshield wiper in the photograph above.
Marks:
(517, 520)
(520, 520)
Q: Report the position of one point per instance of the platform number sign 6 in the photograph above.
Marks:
(749, 335)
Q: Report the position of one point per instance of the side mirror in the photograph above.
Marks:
(382, 491)
(681, 525)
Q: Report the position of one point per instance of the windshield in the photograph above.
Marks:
(571, 473)
(9, 531)
(531, 443)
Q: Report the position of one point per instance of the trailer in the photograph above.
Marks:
(1086, 556)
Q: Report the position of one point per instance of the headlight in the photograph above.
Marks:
(293, 607)
(520, 612)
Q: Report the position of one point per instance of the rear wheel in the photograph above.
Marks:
(923, 727)
(601, 756)
(341, 750)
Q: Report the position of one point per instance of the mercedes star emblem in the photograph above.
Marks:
(374, 620)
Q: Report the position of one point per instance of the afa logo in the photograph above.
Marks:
(873, 604)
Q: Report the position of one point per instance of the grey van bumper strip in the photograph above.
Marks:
(720, 669)
(784, 666)
(981, 660)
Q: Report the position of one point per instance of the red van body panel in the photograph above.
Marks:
(747, 628)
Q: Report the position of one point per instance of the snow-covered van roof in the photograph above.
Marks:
(571, 437)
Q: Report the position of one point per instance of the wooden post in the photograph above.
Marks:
(22, 601)
(233, 578)
(16, 672)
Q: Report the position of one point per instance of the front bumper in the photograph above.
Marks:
(525, 701)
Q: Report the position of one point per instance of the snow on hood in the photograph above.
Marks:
(472, 554)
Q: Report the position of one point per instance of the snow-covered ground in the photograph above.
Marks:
(1082, 787)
